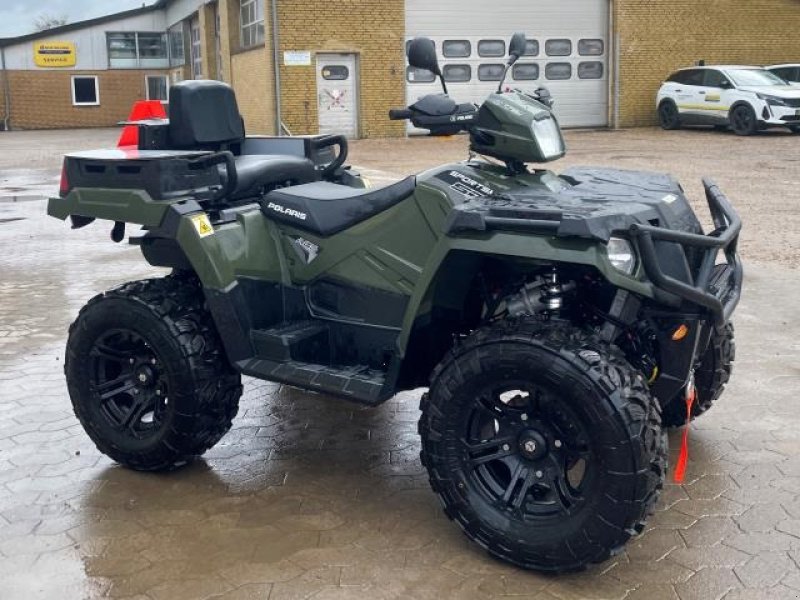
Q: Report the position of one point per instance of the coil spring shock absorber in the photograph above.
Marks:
(552, 296)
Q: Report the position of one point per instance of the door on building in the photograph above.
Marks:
(337, 94)
(567, 51)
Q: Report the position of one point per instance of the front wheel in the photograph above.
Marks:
(147, 376)
(743, 120)
(543, 444)
(794, 129)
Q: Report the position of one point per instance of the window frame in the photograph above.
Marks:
(526, 64)
(468, 67)
(602, 47)
(492, 40)
(196, 58)
(137, 61)
(96, 79)
(590, 62)
(252, 26)
(482, 65)
(457, 41)
(346, 73)
(560, 62)
(147, 78)
(549, 54)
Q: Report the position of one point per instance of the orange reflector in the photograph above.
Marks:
(680, 333)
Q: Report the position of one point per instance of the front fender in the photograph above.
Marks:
(517, 247)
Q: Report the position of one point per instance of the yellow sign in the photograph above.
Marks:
(202, 225)
(54, 54)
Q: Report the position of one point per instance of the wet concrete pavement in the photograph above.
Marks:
(309, 496)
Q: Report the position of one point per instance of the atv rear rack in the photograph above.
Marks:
(715, 287)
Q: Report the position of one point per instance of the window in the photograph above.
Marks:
(590, 70)
(591, 47)
(414, 75)
(558, 47)
(335, 72)
(456, 48)
(785, 73)
(491, 48)
(490, 72)
(196, 48)
(754, 77)
(157, 87)
(457, 73)
(558, 71)
(531, 48)
(252, 22)
(177, 53)
(713, 78)
(525, 72)
(85, 91)
(137, 49)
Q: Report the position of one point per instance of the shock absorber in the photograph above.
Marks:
(552, 296)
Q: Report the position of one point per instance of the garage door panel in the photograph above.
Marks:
(581, 100)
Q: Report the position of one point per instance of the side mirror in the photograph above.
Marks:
(725, 84)
(422, 55)
(516, 47)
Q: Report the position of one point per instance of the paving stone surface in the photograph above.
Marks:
(309, 496)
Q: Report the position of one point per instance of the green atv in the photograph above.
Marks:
(557, 321)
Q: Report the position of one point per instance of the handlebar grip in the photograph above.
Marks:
(400, 114)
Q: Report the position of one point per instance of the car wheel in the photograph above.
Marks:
(544, 445)
(743, 120)
(668, 116)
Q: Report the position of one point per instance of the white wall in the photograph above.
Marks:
(178, 10)
(90, 42)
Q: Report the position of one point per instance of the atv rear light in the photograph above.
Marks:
(63, 188)
(621, 255)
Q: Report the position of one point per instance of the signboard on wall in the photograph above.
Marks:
(54, 54)
(297, 58)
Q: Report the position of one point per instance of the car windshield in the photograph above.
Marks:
(754, 77)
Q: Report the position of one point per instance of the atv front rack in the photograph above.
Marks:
(715, 287)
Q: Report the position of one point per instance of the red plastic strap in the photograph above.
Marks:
(683, 457)
(141, 111)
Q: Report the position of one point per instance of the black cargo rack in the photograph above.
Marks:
(718, 290)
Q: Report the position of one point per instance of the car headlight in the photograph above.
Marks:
(772, 100)
(621, 255)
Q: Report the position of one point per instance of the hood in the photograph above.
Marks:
(781, 91)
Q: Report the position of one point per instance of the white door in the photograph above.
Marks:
(337, 94)
(567, 51)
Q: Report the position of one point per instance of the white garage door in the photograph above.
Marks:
(567, 51)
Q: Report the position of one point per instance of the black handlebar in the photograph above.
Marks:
(400, 114)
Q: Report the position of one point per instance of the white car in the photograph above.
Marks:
(790, 72)
(745, 98)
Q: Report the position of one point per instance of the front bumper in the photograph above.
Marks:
(716, 288)
(781, 115)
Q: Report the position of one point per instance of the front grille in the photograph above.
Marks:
(792, 102)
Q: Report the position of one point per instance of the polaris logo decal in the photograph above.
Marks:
(289, 212)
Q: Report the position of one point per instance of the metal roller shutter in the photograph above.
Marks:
(568, 44)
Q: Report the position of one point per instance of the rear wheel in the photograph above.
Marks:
(743, 120)
(668, 115)
(147, 376)
(543, 444)
(710, 377)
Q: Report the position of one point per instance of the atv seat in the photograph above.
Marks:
(204, 115)
(327, 208)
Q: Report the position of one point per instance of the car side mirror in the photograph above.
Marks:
(516, 47)
(725, 84)
(422, 55)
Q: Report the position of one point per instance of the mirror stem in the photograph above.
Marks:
(444, 85)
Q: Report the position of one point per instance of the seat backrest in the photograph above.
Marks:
(203, 114)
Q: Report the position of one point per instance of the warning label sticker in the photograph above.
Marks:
(202, 225)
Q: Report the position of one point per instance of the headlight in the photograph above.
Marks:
(545, 132)
(621, 255)
(772, 100)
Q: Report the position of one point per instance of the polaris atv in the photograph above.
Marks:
(559, 322)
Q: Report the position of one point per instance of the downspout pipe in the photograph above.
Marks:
(6, 90)
(277, 67)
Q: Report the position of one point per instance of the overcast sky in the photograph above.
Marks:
(17, 16)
